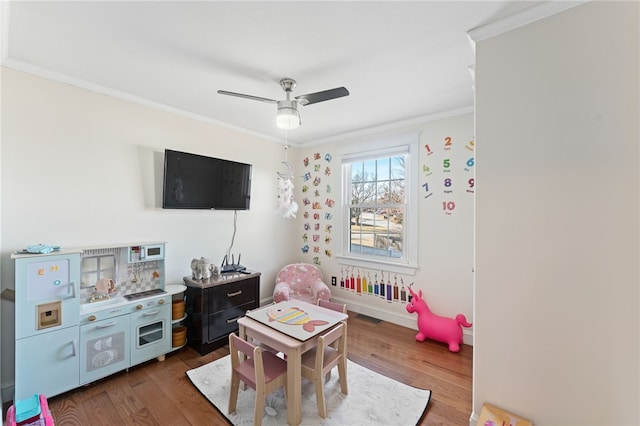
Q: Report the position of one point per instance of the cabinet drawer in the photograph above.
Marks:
(225, 322)
(230, 295)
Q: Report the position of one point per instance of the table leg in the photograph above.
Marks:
(242, 333)
(294, 386)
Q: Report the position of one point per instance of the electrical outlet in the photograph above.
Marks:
(334, 281)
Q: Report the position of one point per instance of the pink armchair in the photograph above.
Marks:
(300, 281)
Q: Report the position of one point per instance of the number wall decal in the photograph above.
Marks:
(471, 145)
(447, 143)
(447, 167)
(429, 152)
(448, 207)
(470, 163)
(426, 190)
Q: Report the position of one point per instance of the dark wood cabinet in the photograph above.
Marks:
(214, 305)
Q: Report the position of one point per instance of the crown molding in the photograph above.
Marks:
(4, 32)
(391, 127)
(97, 88)
(72, 81)
(536, 13)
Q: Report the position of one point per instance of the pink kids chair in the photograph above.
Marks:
(262, 371)
(300, 281)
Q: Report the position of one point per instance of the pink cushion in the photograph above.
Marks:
(300, 281)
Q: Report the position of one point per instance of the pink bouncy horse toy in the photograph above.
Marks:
(432, 326)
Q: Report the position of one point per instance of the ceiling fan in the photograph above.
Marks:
(287, 116)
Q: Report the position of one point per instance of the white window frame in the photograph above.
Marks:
(394, 145)
(100, 271)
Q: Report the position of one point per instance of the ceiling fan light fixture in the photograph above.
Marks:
(288, 116)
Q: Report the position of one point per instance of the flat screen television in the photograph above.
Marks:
(194, 181)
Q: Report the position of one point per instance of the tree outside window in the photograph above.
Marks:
(377, 206)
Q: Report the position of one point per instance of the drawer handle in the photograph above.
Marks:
(229, 321)
(111, 324)
(72, 290)
(237, 293)
(148, 314)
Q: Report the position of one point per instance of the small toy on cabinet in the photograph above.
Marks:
(195, 273)
(432, 326)
(200, 268)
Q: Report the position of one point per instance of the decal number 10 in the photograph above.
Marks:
(448, 206)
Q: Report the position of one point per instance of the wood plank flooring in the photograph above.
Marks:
(159, 393)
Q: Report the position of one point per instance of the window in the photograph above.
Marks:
(376, 206)
(379, 224)
(97, 267)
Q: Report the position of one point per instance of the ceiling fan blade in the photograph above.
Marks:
(325, 95)
(254, 98)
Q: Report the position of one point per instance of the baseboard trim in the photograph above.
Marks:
(7, 392)
(473, 420)
(467, 333)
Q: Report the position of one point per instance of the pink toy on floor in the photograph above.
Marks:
(432, 326)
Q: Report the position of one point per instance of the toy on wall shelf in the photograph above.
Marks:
(432, 326)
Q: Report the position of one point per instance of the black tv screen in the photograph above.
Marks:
(194, 181)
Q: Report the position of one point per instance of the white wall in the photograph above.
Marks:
(85, 169)
(556, 292)
(445, 242)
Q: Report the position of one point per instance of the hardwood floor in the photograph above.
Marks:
(159, 393)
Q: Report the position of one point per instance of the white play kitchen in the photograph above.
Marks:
(83, 314)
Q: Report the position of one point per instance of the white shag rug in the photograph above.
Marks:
(373, 399)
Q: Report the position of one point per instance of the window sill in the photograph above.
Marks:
(376, 264)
